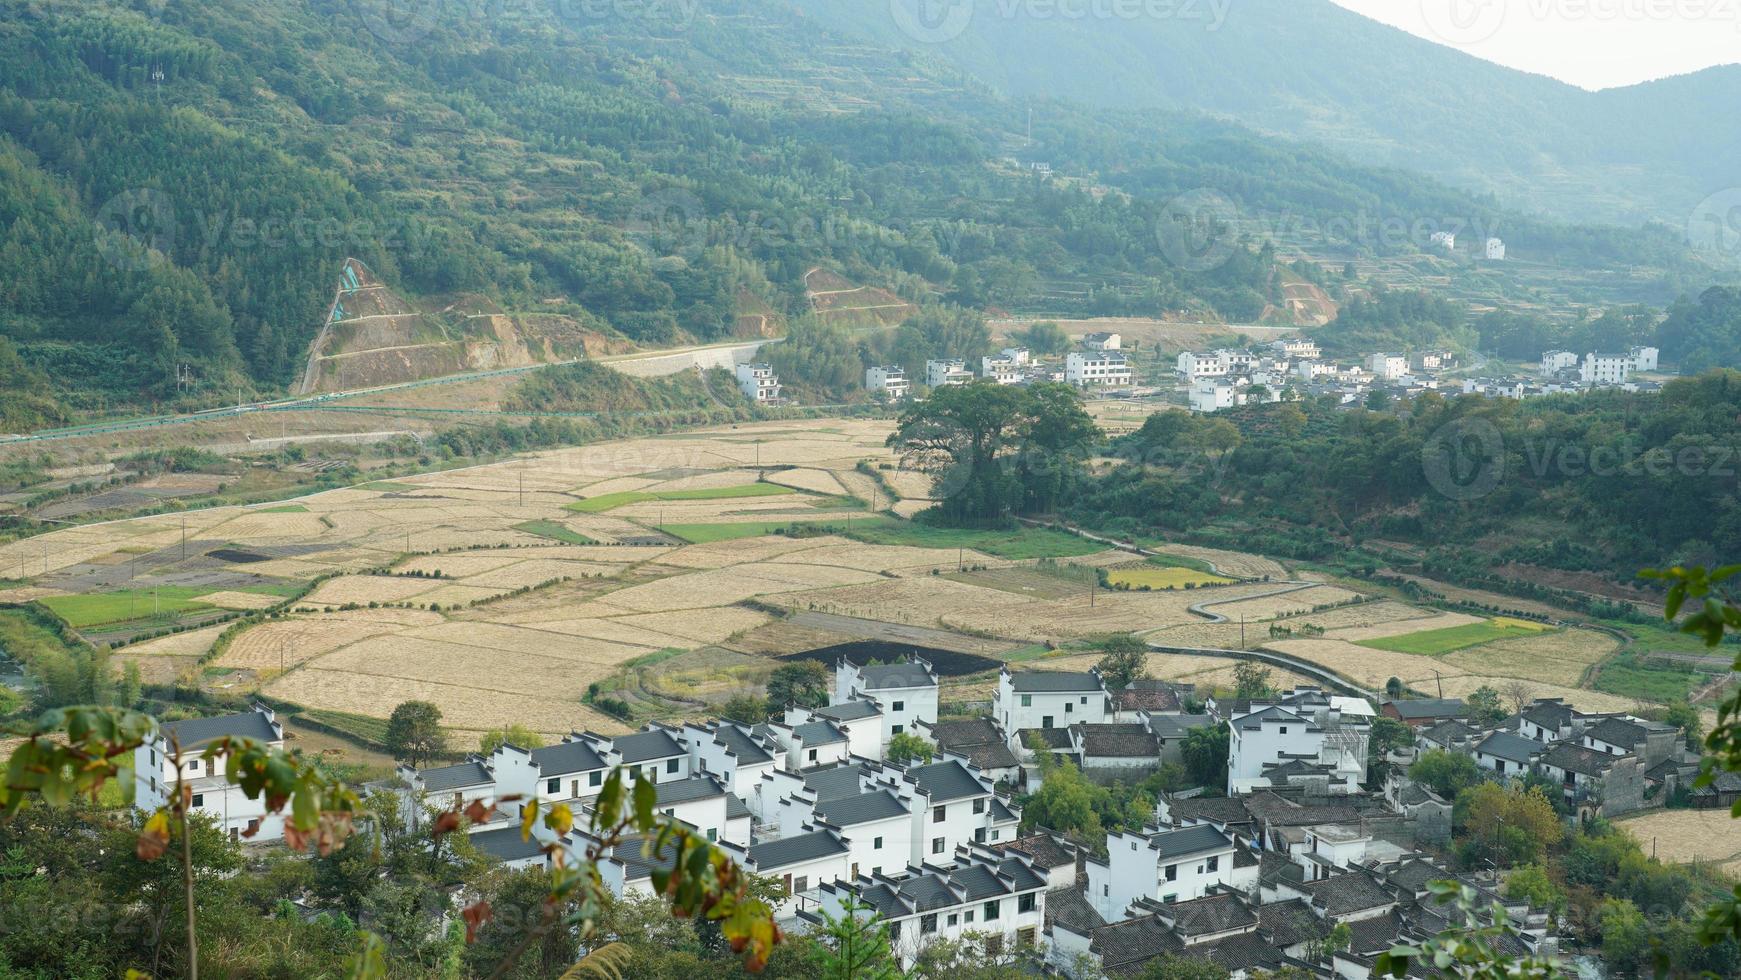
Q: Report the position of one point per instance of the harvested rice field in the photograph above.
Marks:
(1688, 836)
(489, 612)
(1151, 576)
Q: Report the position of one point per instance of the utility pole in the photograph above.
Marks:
(1242, 631)
(522, 488)
(184, 537)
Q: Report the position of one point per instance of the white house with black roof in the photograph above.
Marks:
(952, 806)
(860, 719)
(801, 863)
(807, 744)
(906, 691)
(568, 772)
(732, 753)
(977, 743)
(813, 785)
(876, 827)
(655, 750)
(1507, 754)
(995, 895)
(1049, 699)
(1113, 748)
(505, 844)
(450, 787)
(1163, 866)
(156, 775)
(1307, 726)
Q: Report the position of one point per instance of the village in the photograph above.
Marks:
(1315, 853)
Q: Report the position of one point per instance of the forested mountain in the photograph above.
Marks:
(1312, 70)
(181, 183)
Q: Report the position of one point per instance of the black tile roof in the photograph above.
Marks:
(1226, 810)
(1210, 914)
(849, 810)
(852, 710)
(1177, 726)
(978, 731)
(1191, 840)
(462, 775)
(1053, 682)
(637, 865)
(1069, 907)
(506, 844)
(1290, 922)
(1429, 708)
(1117, 741)
(1051, 738)
(1255, 720)
(834, 782)
(743, 745)
(1573, 758)
(1375, 935)
(1618, 731)
(735, 808)
(646, 746)
(1512, 748)
(885, 677)
(689, 790)
(944, 781)
(1413, 876)
(1553, 715)
(192, 733)
(1447, 732)
(1146, 694)
(1133, 942)
(822, 732)
(795, 850)
(988, 757)
(1244, 952)
(567, 757)
(1044, 849)
(1347, 893)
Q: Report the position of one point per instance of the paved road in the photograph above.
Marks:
(313, 402)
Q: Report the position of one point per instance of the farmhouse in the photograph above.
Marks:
(1048, 699)
(905, 692)
(1425, 712)
(156, 773)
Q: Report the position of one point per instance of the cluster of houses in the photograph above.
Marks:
(1229, 377)
(1565, 373)
(1493, 249)
(1253, 875)
(1101, 363)
(1606, 764)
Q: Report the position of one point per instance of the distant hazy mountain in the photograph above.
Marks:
(1313, 70)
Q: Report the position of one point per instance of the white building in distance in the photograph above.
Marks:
(1555, 361)
(1645, 358)
(759, 383)
(1193, 365)
(1108, 369)
(1103, 341)
(947, 373)
(1003, 370)
(1444, 241)
(891, 380)
(1496, 249)
(1389, 367)
(1295, 349)
(1611, 369)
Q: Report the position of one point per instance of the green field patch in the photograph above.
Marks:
(706, 533)
(286, 509)
(372, 731)
(106, 608)
(389, 486)
(1159, 577)
(1432, 643)
(555, 532)
(611, 501)
(1016, 544)
(1630, 677)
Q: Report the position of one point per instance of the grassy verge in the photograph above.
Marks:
(706, 533)
(286, 509)
(1432, 643)
(361, 727)
(555, 532)
(611, 501)
(1015, 544)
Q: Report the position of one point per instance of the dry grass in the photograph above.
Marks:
(192, 643)
(1559, 658)
(241, 600)
(1421, 624)
(1265, 608)
(814, 481)
(1235, 563)
(364, 589)
(1687, 836)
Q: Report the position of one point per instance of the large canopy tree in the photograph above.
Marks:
(996, 450)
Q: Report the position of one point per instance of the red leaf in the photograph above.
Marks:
(475, 916)
(447, 823)
(479, 811)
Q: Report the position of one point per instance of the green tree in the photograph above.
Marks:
(1508, 825)
(855, 946)
(1387, 735)
(1065, 802)
(994, 450)
(414, 734)
(1124, 659)
(1532, 883)
(1205, 752)
(906, 747)
(745, 709)
(1043, 338)
(516, 735)
(804, 683)
(1485, 707)
(1445, 773)
(1251, 680)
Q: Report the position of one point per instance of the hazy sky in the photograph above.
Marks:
(1592, 43)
